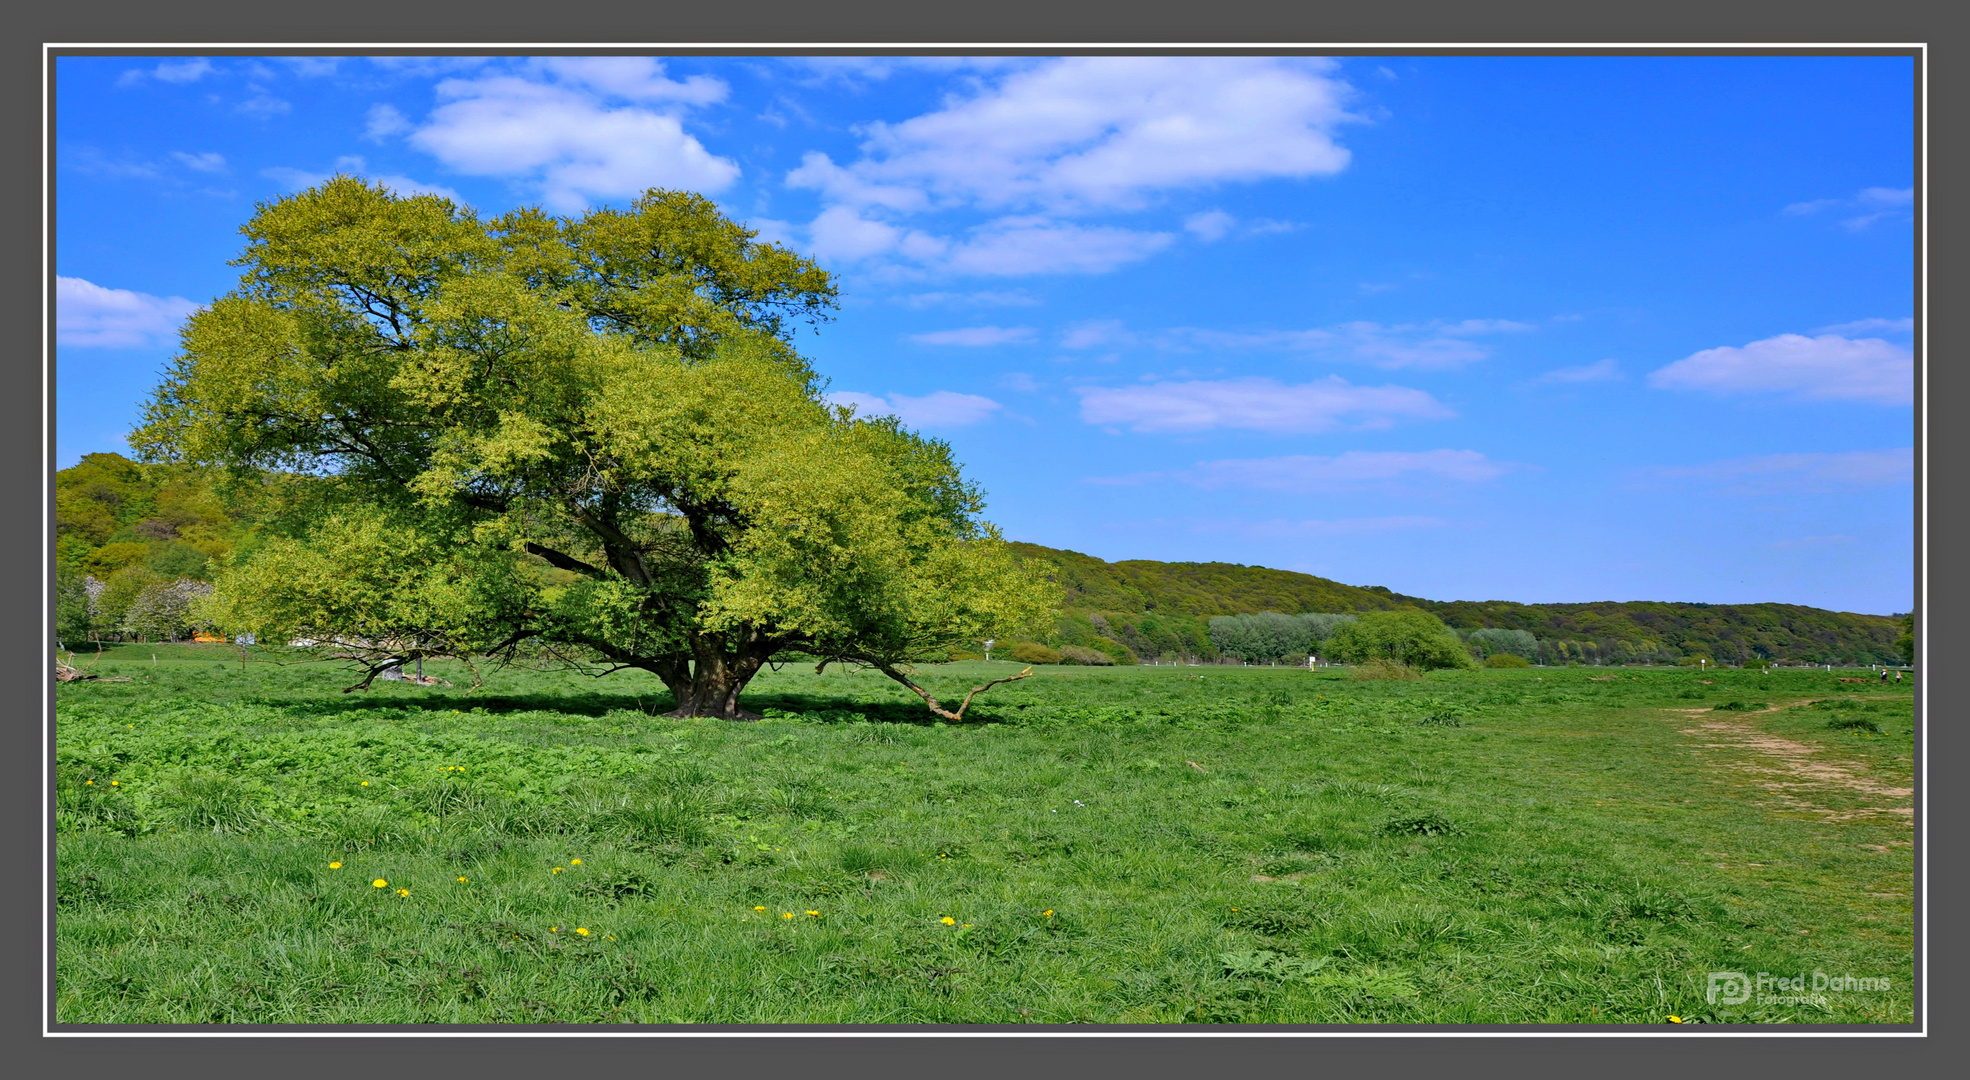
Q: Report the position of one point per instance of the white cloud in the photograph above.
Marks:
(207, 162)
(841, 234)
(565, 139)
(263, 106)
(171, 71)
(1425, 346)
(1028, 246)
(312, 67)
(940, 408)
(384, 121)
(201, 162)
(1255, 404)
(1826, 368)
(1854, 468)
(634, 78)
(1210, 225)
(1599, 371)
(976, 336)
(1874, 204)
(1107, 132)
(1862, 326)
(988, 298)
(88, 315)
(1303, 472)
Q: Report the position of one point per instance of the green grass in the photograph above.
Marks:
(1498, 846)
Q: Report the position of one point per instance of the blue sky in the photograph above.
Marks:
(1525, 328)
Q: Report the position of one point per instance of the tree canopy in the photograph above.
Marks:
(1405, 636)
(590, 433)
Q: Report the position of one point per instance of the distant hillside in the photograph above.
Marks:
(1145, 609)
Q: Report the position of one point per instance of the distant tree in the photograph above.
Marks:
(1030, 652)
(167, 610)
(1492, 640)
(1905, 643)
(1506, 660)
(591, 433)
(1404, 636)
(72, 622)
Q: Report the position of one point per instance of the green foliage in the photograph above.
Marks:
(1075, 654)
(1414, 638)
(72, 619)
(1506, 660)
(1271, 636)
(166, 610)
(1161, 610)
(586, 432)
(1029, 652)
(1905, 641)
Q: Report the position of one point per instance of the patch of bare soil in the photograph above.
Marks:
(1792, 770)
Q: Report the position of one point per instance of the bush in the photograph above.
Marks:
(1032, 652)
(1385, 669)
(1075, 654)
(1406, 637)
(1505, 659)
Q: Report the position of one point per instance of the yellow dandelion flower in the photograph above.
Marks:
(380, 883)
(1048, 913)
(948, 921)
(462, 881)
(816, 914)
(582, 930)
(574, 862)
(115, 783)
(335, 866)
(786, 914)
(967, 926)
(759, 907)
(612, 937)
(556, 870)
(403, 892)
(1675, 1019)
(553, 929)
(365, 783)
(89, 783)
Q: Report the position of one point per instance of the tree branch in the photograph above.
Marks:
(565, 562)
(891, 671)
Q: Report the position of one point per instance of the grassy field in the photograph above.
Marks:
(1126, 845)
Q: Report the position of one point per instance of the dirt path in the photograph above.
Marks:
(1790, 769)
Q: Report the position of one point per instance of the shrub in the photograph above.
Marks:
(1505, 659)
(1407, 636)
(1075, 654)
(1032, 652)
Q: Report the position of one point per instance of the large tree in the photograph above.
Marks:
(591, 433)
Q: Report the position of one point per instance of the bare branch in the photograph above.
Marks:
(890, 670)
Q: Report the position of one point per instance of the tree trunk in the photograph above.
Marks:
(713, 685)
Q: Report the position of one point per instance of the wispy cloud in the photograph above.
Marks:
(1824, 368)
(941, 408)
(206, 163)
(987, 298)
(88, 315)
(1255, 404)
(1306, 473)
(1598, 371)
(1862, 326)
(1429, 346)
(977, 336)
(1867, 206)
(170, 71)
(1854, 468)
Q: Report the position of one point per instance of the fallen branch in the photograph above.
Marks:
(890, 671)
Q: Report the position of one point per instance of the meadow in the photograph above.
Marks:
(245, 844)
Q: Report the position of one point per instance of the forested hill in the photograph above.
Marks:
(1160, 608)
